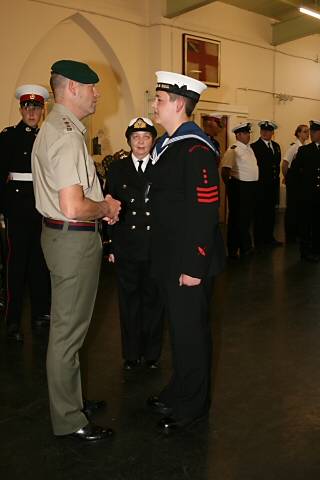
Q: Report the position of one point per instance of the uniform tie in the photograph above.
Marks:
(140, 166)
(270, 146)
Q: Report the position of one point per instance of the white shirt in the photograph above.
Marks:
(242, 161)
(268, 143)
(292, 152)
(136, 160)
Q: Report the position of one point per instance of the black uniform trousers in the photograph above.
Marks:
(290, 218)
(241, 198)
(265, 211)
(188, 392)
(25, 263)
(141, 310)
(309, 225)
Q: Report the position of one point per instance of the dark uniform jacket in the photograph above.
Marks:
(185, 211)
(305, 173)
(268, 162)
(17, 197)
(130, 236)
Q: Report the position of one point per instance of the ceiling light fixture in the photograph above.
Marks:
(312, 13)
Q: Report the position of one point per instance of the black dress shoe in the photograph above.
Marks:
(155, 404)
(92, 406)
(91, 433)
(169, 425)
(152, 364)
(40, 321)
(310, 257)
(131, 364)
(14, 336)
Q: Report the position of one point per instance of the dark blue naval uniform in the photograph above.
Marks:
(141, 310)
(23, 227)
(186, 240)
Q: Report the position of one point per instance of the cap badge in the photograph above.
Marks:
(140, 124)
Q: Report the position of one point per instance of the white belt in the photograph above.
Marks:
(21, 177)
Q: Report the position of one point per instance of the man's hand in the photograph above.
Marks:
(188, 281)
(113, 209)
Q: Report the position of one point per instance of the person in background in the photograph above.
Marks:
(240, 174)
(305, 176)
(212, 125)
(69, 196)
(268, 155)
(141, 310)
(23, 223)
(290, 219)
(187, 250)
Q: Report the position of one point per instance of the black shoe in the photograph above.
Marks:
(152, 364)
(310, 257)
(169, 425)
(274, 243)
(131, 364)
(91, 433)
(41, 321)
(92, 406)
(155, 404)
(14, 334)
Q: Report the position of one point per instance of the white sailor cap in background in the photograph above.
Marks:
(242, 127)
(32, 95)
(171, 82)
(141, 124)
(267, 125)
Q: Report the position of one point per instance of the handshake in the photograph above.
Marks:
(111, 209)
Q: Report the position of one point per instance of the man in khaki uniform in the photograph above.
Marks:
(69, 197)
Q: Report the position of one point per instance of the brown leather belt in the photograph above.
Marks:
(79, 226)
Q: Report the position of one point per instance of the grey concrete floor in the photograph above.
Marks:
(265, 418)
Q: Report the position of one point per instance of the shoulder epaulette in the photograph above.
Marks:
(293, 143)
(233, 147)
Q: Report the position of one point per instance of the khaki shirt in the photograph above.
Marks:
(60, 159)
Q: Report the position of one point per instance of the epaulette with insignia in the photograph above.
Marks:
(233, 147)
(4, 130)
(68, 125)
(293, 143)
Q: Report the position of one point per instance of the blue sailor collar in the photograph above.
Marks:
(185, 131)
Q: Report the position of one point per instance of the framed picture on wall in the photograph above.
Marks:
(201, 59)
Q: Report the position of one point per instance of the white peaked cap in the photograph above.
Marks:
(32, 92)
(242, 127)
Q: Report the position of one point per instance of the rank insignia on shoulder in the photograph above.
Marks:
(4, 130)
(198, 145)
(292, 144)
(233, 147)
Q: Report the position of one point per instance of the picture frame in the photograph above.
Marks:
(201, 59)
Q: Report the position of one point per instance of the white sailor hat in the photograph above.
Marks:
(141, 124)
(171, 82)
(314, 125)
(268, 125)
(32, 95)
(242, 127)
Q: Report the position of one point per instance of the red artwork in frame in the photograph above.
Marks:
(201, 59)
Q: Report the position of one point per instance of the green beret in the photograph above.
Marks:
(78, 71)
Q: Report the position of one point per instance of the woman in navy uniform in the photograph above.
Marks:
(23, 223)
(141, 311)
(187, 247)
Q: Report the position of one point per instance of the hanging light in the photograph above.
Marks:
(312, 13)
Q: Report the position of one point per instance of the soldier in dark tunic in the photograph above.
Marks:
(268, 155)
(305, 177)
(187, 248)
(25, 259)
(141, 310)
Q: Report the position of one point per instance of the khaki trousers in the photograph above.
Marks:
(73, 258)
